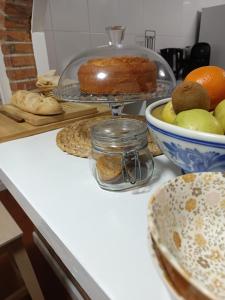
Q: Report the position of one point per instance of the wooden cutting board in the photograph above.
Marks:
(71, 110)
(11, 129)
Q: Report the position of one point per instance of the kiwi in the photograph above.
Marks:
(190, 95)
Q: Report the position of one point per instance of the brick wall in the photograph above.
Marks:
(16, 44)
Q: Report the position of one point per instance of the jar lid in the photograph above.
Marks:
(119, 132)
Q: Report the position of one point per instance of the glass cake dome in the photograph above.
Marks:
(116, 73)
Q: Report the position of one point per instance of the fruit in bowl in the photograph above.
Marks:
(188, 133)
(167, 114)
(189, 95)
(191, 150)
(189, 108)
(186, 222)
(198, 119)
(219, 113)
(212, 78)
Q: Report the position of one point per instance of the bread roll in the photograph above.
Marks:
(35, 103)
(49, 79)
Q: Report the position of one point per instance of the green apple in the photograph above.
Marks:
(200, 120)
(219, 113)
(157, 112)
(168, 114)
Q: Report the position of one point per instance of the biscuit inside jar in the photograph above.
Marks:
(108, 167)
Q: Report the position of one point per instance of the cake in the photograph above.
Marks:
(117, 75)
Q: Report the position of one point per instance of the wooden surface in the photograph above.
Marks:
(10, 233)
(71, 110)
(9, 230)
(11, 129)
(25, 268)
(9, 280)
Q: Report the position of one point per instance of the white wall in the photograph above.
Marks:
(72, 26)
(5, 90)
(210, 3)
(212, 31)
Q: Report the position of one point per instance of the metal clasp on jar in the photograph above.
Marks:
(131, 166)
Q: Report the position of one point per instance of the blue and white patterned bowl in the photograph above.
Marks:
(192, 151)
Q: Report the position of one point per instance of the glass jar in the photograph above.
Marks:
(120, 157)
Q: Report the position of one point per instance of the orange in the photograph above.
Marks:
(212, 78)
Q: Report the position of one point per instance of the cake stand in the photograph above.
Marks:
(71, 93)
(69, 89)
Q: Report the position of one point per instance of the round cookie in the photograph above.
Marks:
(108, 167)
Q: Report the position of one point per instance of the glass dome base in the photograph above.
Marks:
(72, 93)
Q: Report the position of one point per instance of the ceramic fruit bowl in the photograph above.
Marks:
(186, 220)
(192, 151)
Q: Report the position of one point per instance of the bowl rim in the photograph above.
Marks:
(154, 233)
(189, 135)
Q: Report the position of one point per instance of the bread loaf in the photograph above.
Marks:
(36, 103)
(49, 79)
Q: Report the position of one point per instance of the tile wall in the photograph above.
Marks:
(72, 26)
(209, 3)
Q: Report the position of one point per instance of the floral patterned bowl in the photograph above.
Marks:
(186, 220)
(192, 151)
(167, 277)
(178, 287)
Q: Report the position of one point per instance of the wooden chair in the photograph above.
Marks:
(11, 243)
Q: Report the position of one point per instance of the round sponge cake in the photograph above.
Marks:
(117, 75)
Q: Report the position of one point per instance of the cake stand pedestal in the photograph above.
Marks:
(116, 109)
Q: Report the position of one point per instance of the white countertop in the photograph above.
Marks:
(100, 236)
